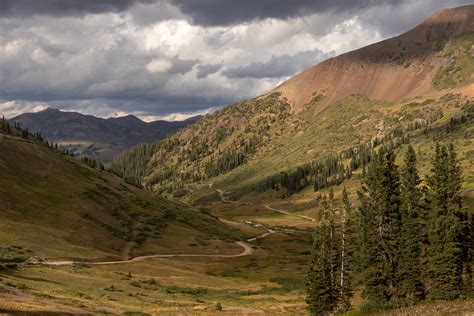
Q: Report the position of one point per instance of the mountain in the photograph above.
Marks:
(98, 138)
(257, 169)
(416, 84)
(399, 68)
(75, 240)
(58, 207)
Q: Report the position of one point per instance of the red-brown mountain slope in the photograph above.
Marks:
(394, 69)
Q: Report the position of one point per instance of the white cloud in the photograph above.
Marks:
(158, 65)
(346, 36)
(39, 108)
(176, 116)
(152, 61)
(13, 108)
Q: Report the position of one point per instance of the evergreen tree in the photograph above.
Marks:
(333, 243)
(379, 225)
(446, 228)
(391, 218)
(319, 298)
(456, 206)
(368, 237)
(25, 133)
(347, 248)
(409, 269)
(322, 286)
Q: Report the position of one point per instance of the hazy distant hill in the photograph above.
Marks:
(99, 138)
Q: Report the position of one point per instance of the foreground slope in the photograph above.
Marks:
(95, 137)
(57, 207)
(420, 79)
(85, 242)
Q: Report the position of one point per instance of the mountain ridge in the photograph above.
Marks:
(261, 171)
(245, 144)
(99, 138)
(389, 70)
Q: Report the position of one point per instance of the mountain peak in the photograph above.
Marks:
(49, 110)
(129, 117)
(452, 15)
(392, 70)
(126, 120)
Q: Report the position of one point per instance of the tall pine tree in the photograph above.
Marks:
(379, 226)
(322, 286)
(456, 206)
(346, 250)
(409, 270)
(445, 252)
(391, 218)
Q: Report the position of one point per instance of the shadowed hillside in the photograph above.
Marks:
(95, 137)
(57, 207)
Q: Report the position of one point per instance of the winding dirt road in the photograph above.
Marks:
(269, 232)
(247, 248)
(288, 213)
(224, 199)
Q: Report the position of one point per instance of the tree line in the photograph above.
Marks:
(17, 130)
(409, 239)
(335, 168)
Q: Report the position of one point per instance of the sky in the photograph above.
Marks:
(172, 59)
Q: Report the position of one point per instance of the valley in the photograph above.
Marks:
(273, 205)
(42, 284)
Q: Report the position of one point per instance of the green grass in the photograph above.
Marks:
(57, 207)
(352, 121)
(273, 277)
(460, 70)
(175, 285)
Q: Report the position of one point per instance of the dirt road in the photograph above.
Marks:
(288, 213)
(248, 250)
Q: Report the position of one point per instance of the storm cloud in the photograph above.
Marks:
(206, 70)
(219, 12)
(156, 58)
(277, 66)
(26, 8)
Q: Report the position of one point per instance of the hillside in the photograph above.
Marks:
(95, 137)
(416, 63)
(389, 91)
(57, 207)
(236, 201)
(67, 230)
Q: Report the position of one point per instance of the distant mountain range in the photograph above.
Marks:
(95, 137)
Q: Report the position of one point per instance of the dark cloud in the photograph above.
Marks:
(205, 70)
(224, 12)
(393, 20)
(277, 66)
(25, 8)
(149, 58)
(182, 66)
